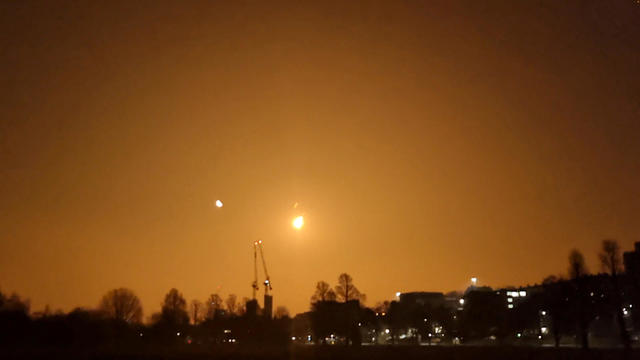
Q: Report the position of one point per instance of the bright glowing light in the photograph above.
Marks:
(461, 301)
(298, 222)
(474, 280)
(398, 294)
(219, 203)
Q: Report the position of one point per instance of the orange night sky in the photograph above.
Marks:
(424, 142)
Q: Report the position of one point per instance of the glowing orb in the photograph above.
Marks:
(219, 203)
(298, 222)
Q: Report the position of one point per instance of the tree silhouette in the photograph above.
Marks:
(555, 299)
(577, 266)
(122, 304)
(196, 310)
(174, 309)
(611, 263)
(323, 292)
(281, 312)
(232, 304)
(214, 306)
(345, 290)
(580, 301)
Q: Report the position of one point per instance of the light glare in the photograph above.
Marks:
(298, 222)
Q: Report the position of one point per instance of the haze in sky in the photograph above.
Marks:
(423, 142)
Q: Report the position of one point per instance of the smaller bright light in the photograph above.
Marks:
(398, 294)
(425, 320)
(141, 334)
(219, 203)
(430, 335)
(523, 293)
(474, 280)
(386, 331)
(298, 222)
(510, 306)
(461, 301)
(359, 324)
(544, 330)
(510, 300)
(293, 338)
(178, 333)
(543, 313)
(518, 335)
(539, 336)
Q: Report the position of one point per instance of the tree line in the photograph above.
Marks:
(575, 307)
(564, 309)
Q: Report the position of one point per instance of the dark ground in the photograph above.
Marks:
(335, 352)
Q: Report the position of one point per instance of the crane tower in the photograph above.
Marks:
(268, 299)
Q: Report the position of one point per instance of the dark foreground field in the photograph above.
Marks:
(331, 352)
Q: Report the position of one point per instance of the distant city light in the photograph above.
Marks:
(398, 294)
(474, 280)
(461, 301)
(386, 331)
(543, 313)
(219, 203)
(523, 293)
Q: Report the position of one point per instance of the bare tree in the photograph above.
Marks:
(281, 312)
(196, 310)
(610, 257)
(611, 263)
(174, 308)
(242, 306)
(345, 290)
(323, 292)
(122, 304)
(214, 305)
(232, 304)
(577, 266)
(577, 273)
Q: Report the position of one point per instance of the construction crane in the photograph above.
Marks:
(268, 299)
(255, 270)
(267, 281)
